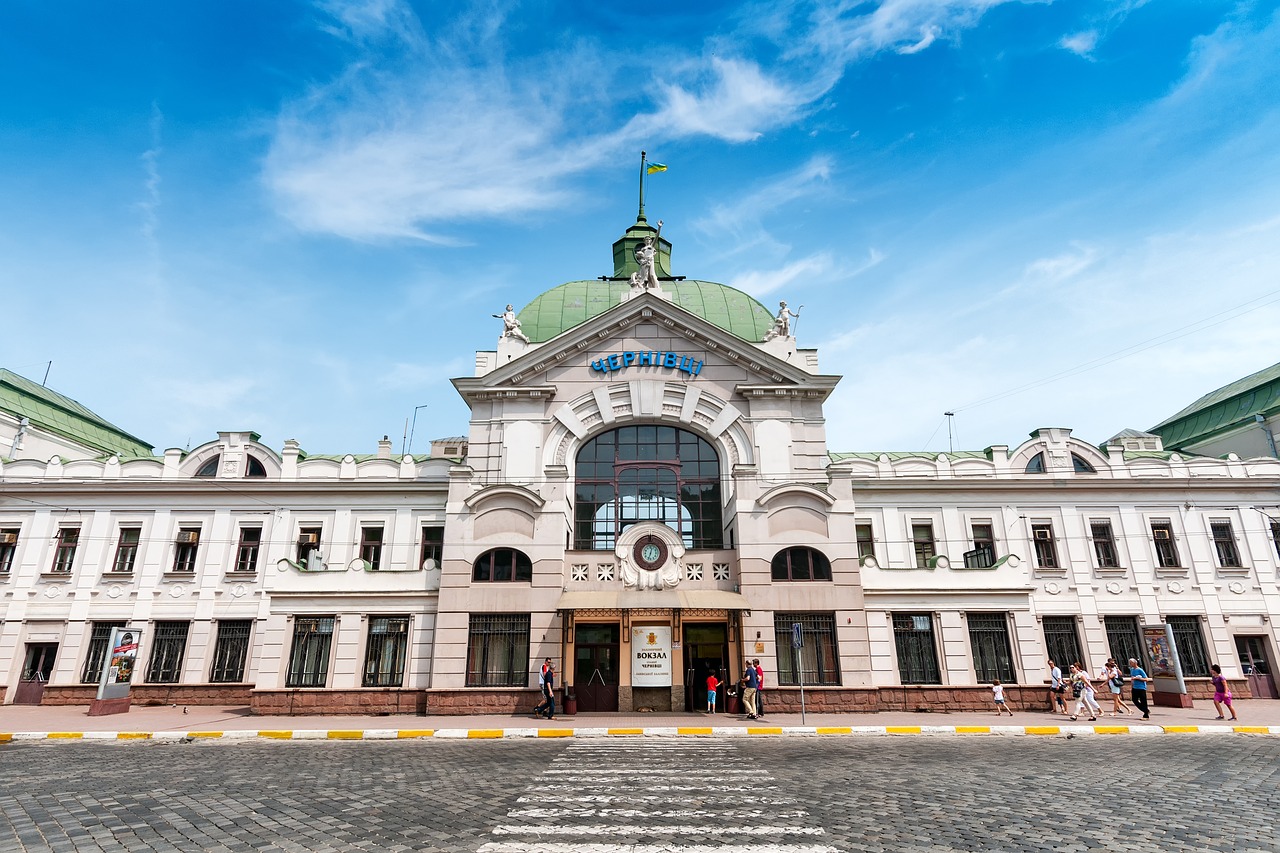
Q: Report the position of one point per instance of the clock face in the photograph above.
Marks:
(650, 552)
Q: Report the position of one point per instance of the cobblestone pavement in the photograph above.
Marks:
(642, 795)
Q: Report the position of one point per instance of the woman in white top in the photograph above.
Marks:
(1115, 682)
(1085, 699)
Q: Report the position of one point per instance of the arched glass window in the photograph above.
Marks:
(801, 564)
(647, 473)
(255, 468)
(1036, 464)
(1081, 465)
(210, 467)
(502, 564)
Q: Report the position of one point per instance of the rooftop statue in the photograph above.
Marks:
(511, 325)
(782, 323)
(647, 258)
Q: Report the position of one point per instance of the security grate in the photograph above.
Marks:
(230, 651)
(168, 647)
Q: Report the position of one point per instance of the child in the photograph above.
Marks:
(997, 692)
(713, 684)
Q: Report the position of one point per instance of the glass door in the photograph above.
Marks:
(595, 667)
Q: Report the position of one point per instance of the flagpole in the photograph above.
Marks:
(641, 214)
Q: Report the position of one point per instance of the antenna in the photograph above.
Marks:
(951, 446)
(44, 382)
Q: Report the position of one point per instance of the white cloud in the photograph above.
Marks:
(738, 222)
(851, 32)
(761, 282)
(1081, 44)
(1061, 267)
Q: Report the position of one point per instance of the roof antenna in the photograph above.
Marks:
(44, 382)
(951, 446)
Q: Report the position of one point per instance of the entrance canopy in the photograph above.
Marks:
(631, 599)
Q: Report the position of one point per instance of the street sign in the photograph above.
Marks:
(797, 636)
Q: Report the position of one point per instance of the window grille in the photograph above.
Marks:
(1190, 644)
(1224, 543)
(230, 651)
(96, 656)
(168, 646)
(385, 652)
(248, 548)
(801, 564)
(916, 647)
(1061, 641)
(309, 655)
(1104, 545)
(989, 641)
(498, 650)
(1123, 639)
(64, 554)
(819, 660)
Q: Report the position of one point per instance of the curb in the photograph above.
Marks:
(656, 731)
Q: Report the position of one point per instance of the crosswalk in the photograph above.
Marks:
(655, 796)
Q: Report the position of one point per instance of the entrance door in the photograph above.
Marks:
(1256, 667)
(595, 667)
(706, 652)
(36, 669)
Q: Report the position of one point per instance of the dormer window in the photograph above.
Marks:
(210, 467)
(1035, 465)
(1081, 466)
(254, 467)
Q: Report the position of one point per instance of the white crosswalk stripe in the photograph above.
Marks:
(651, 797)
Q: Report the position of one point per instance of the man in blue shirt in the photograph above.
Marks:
(752, 684)
(1139, 677)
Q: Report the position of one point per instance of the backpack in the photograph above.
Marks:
(1076, 689)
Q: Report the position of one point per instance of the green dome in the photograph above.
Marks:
(573, 303)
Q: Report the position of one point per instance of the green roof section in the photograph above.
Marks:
(1230, 407)
(63, 416)
(573, 303)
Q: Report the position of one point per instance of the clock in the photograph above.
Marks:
(650, 552)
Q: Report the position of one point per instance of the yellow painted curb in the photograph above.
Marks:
(764, 730)
(902, 730)
(133, 735)
(693, 730)
(338, 734)
(625, 731)
(834, 730)
(1042, 730)
(484, 733)
(204, 734)
(1252, 730)
(1181, 730)
(555, 732)
(1111, 730)
(416, 733)
(278, 735)
(973, 730)
(5, 737)
(64, 735)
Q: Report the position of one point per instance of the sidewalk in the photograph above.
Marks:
(23, 722)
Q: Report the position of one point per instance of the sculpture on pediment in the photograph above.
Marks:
(782, 323)
(647, 257)
(511, 325)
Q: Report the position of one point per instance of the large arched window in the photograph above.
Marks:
(647, 473)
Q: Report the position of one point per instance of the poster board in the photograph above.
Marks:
(651, 656)
(1162, 653)
(120, 664)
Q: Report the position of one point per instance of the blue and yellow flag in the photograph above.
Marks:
(655, 167)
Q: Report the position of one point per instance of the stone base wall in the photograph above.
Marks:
(1202, 688)
(474, 701)
(156, 694)
(657, 698)
(365, 702)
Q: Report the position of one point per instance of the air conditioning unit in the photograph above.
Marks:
(1161, 534)
(309, 539)
(188, 537)
(8, 539)
(1044, 534)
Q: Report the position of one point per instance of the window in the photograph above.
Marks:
(647, 473)
(498, 650)
(210, 467)
(308, 542)
(385, 652)
(230, 651)
(1224, 543)
(8, 547)
(126, 550)
(1166, 545)
(64, 553)
(1035, 465)
(1081, 466)
(1123, 639)
(983, 555)
(309, 654)
(922, 541)
(247, 549)
(1061, 642)
(96, 656)
(866, 540)
(1275, 536)
(502, 564)
(1046, 547)
(432, 545)
(989, 641)
(371, 546)
(917, 651)
(188, 544)
(168, 647)
(253, 467)
(801, 564)
(1190, 645)
(818, 660)
(1104, 545)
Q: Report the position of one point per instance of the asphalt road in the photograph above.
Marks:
(633, 795)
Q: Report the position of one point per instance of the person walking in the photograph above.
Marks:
(1138, 690)
(759, 687)
(1115, 683)
(751, 683)
(1222, 693)
(548, 704)
(997, 693)
(1082, 689)
(1057, 687)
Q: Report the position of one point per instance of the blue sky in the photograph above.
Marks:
(298, 217)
